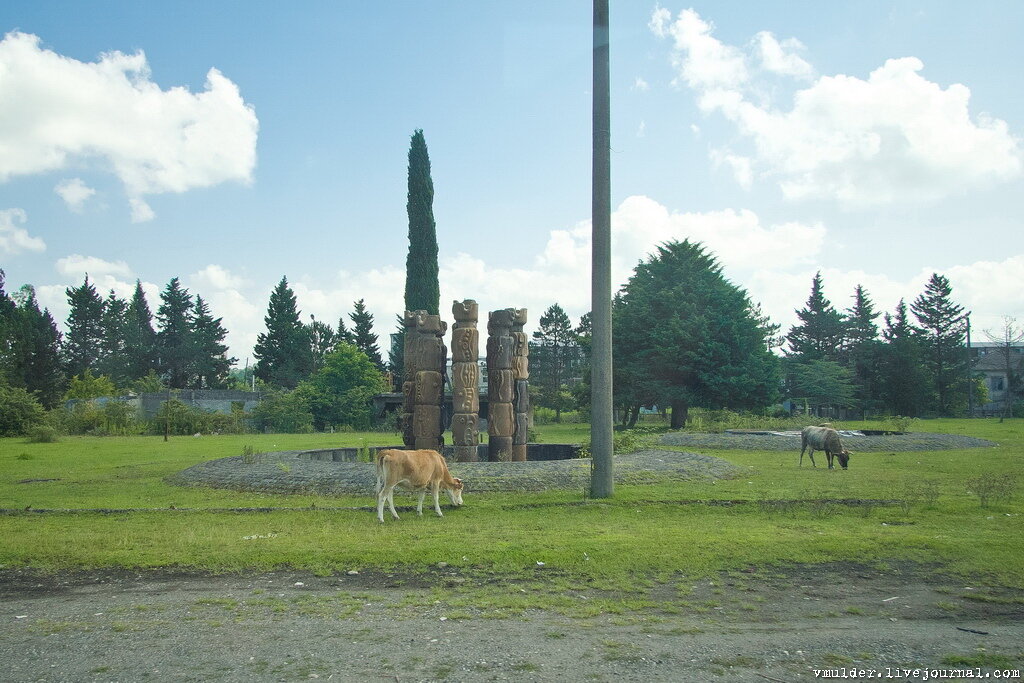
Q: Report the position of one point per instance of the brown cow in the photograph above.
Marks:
(416, 470)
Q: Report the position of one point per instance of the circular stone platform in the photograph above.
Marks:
(917, 441)
(319, 472)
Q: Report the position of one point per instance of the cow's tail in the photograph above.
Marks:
(378, 460)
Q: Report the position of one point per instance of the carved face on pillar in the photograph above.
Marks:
(465, 311)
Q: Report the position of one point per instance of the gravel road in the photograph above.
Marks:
(755, 625)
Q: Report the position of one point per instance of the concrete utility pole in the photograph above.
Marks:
(601, 443)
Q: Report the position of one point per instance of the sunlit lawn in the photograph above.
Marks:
(653, 530)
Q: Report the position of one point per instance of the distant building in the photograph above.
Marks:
(990, 358)
(211, 400)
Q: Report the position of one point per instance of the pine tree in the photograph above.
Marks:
(35, 350)
(821, 331)
(284, 355)
(862, 349)
(396, 355)
(900, 375)
(343, 334)
(113, 361)
(174, 340)
(942, 332)
(210, 362)
(84, 341)
(140, 337)
(7, 317)
(362, 333)
(422, 291)
(554, 352)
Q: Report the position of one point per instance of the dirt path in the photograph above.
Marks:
(755, 625)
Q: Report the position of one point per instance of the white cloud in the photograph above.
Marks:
(141, 211)
(641, 130)
(74, 192)
(641, 85)
(13, 239)
(895, 136)
(741, 166)
(77, 265)
(56, 112)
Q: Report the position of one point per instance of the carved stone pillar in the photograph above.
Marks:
(465, 380)
(521, 385)
(412, 321)
(501, 424)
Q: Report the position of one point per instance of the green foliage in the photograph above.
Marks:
(179, 418)
(340, 393)
(685, 336)
(822, 329)
(150, 383)
(19, 410)
(86, 386)
(991, 487)
(83, 344)
(902, 378)
(114, 359)
(140, 337)
(42, 433)
(716, 421)
(322, 340)
(942, 335)
(282, 411)
(898, 423)
(362, 333)
(210, 363)
(284, 355)
(422, 290)
(555, 357)
(101, 418)
(820, 383)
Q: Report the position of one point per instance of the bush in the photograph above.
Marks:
(19, 411)
(43, 433)
(282, 412)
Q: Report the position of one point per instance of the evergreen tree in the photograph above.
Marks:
(174, 340)
(284, 355)
(422, 291)
(343, 334)
(32, 351)
(862, 349)
(554, 354)
(210, 362)
(821, 331)
(942, 330)
(113, 361)
(7, 316)
(900, 377)
(140, 337)
(685, 336)
(362, 333)
(396, 355)
(84, 341)
(322, 340)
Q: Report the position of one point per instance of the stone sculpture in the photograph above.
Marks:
(465, 380)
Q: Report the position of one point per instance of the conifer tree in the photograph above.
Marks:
(113, 361)
(140, 337)
(362, 333)
(821, 331)
(322, 340)
(422, 291)
(901, 379)
(210, 362)
(7, 309)
(33, 354)
(174, 340)
(942, 332)
(554, 352)
(862, 349)
(284, 355)
(343, 334)
(83, 343)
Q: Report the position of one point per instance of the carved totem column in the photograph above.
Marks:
(412, 321)
(501, 423)
(465, 380)
(425, 356)
(521, 387)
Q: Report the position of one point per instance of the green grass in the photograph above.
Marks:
(643, 531)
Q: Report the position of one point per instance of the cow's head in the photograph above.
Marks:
(455, 492)
(844, 458)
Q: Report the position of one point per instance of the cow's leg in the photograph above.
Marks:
(810, 452)
(381, 497)
(828, 454)
(391, 500)
(419, 503)
(437, 498)
(803, 447)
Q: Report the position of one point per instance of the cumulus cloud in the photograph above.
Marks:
(77, 266)
(56, 112)
(14, 239)
(74, 192)
(894, 136)
(641, 85)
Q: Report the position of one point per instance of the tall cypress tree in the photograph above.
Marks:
(140, 337)
(422, 291)
(174, 340)
(362, 333)
(284, 356)
(942, 331)
(821, 331)
(210, 361)
(83, 343)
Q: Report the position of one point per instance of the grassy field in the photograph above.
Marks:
(934, 514)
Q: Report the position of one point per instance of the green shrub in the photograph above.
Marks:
(285, 412)
(42, 433)
(19, 411)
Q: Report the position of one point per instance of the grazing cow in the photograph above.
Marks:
(823, 439)
(416, 470)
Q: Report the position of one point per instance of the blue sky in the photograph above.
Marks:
(874, 141)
